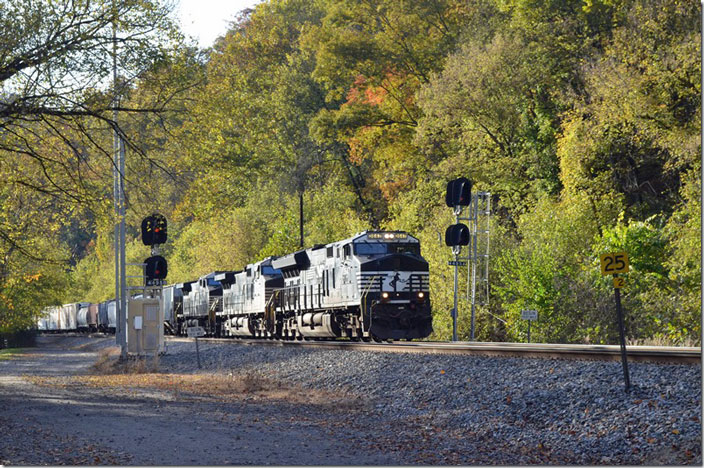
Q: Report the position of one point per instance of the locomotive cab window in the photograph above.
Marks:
(366, 248)
(269, 270)
(378, 248)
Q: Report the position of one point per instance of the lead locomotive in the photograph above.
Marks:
(373, 285)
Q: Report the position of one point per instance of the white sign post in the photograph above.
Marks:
(529, 315)
(195, 332)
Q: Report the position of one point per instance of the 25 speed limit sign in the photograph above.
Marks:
(613, 263)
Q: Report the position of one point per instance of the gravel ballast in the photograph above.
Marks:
(491, 410)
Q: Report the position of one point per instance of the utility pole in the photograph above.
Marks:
(300, 214)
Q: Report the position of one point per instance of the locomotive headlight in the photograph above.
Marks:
(421, 295)
(384, 295)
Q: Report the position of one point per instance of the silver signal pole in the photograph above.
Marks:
(119, 201)
(456, 250)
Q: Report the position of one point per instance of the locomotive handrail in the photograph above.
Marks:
(364, 301)
(269, 315)
(294, 287)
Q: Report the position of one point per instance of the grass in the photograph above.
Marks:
(10, 353)
(687, 342)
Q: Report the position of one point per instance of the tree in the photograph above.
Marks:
(372, 56)
(492, 113)
(32, 253)
(56, 124)
(55, 69)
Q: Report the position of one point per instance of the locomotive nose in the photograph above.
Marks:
(395, 262)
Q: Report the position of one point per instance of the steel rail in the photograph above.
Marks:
(661, 354)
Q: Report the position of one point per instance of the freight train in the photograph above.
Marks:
(79, 316)
(371, 286)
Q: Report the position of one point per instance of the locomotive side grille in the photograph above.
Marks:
(419, 282)
(370, 281)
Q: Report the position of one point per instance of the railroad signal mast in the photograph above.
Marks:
(154, 268)
(154, 233)
(145, 322)
(475, 209)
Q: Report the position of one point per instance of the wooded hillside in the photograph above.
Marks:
(581, 117)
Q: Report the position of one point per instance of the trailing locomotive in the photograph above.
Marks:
(249, 300)
(373, 285)
(201, 302)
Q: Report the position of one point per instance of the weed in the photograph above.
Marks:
(108, 363)
(662, 341)
(11, 353)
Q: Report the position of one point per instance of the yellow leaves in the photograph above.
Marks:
(8, 302)
(675, 431)
(442, 371)
(31, 278)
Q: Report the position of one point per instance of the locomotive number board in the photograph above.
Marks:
(387, 235)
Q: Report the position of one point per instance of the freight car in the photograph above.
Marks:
(60, 318)
(172, 304)
(87, 317)
(107, 316)
(78, 316)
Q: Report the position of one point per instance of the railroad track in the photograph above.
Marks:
(662, 354)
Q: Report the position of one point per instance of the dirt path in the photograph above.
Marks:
(53, 415)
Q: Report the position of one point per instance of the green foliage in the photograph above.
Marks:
(543, 270)
(491, 112)
(581, 117)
